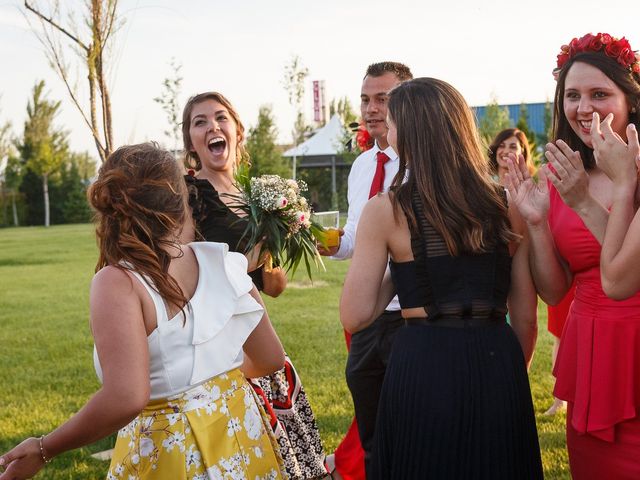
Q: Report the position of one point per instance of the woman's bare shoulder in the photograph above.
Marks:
(112, 280)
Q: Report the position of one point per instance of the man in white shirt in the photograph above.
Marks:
(372, 172)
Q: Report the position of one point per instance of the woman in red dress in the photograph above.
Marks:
(567, 213)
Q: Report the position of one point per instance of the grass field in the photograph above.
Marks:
(46, 368)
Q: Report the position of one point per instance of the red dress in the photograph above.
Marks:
(598, 366)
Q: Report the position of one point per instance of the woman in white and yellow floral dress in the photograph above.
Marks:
(176, 329)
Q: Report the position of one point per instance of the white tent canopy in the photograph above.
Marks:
(326, 141)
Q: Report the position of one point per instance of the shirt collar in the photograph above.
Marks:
(389, 151)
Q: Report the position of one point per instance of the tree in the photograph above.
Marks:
(495, 119)
(301, 129)
(5, 141)
(295, 74)
(261, 144)
(170, 102)
(11, 185)
(10, 176)
(43, 147)
(86, 166)
(523, 125)
(343, 107)
(79, 168)
(98, 22)
(545, 137)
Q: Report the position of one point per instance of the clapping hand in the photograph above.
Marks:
(530, 198)
(566, 171)
(614, 157)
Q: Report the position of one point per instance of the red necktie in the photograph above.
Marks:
(378, 177)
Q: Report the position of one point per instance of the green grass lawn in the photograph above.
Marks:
(46, 349)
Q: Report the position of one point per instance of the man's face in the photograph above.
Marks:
(373, 104)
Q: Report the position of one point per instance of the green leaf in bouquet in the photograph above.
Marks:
(303, 247)
(318, 233)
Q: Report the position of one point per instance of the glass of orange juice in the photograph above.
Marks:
(330, 222)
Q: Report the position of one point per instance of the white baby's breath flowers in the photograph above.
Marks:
(283, 197)
(279, 220)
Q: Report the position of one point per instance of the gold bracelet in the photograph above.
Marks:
(42, 454)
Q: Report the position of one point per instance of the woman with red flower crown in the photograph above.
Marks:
(567, 214)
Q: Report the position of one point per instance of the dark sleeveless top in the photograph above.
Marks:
(215, 221)
(465, 286)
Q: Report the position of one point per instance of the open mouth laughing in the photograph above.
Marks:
(585, 125)
(217, 145)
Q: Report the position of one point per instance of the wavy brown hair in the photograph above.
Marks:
(191, 159)
(140, 207)
(524, 144)
(627, 81)
(441, 157)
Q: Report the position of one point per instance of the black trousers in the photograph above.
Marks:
(366, 366)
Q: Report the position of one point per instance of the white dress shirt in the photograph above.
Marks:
(358, 187)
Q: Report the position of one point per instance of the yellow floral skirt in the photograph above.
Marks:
(213, 431)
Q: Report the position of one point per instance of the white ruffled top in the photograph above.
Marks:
(220, 317)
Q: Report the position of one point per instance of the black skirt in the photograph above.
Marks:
(456, 404)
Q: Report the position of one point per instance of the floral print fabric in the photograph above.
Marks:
(215, 431)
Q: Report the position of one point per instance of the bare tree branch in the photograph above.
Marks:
(101, 22)
(58, 65)
(51, 22)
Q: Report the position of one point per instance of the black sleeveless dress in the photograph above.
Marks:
(456, 402)
(281, 393)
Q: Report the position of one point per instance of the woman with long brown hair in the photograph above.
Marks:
(567, 216)
(455, 402)
(509, 141)
(176, 327)
(214, 145)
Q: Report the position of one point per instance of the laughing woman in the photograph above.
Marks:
(509, 140)
(213, 141)
(568, 218)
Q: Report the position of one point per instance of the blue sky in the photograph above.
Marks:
(240, 48)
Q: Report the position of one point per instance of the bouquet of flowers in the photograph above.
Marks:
(279, 218)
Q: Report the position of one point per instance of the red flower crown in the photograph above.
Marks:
(618, 49)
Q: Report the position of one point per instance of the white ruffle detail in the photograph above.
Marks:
(225, 313)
